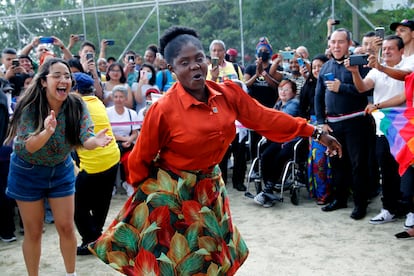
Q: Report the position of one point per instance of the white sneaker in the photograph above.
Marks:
(128, 188)
(259, 198)
(409, 221)
(383, 217)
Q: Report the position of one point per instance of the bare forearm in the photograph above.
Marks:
(36, 142)
(394, 73)
(91, 143)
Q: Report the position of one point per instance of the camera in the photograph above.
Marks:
(81, 37)
(46, 39)
(15, 62)
(358, 59)
(329, 77)
(89, 56)
(380, 32)
(110, 42)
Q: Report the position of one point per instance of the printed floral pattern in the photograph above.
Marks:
(319, 171)
(174, 225)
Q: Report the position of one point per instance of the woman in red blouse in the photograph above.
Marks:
(178, 220)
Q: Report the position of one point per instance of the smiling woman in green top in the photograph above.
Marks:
(48, 123)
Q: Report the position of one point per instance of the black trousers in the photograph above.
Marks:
(351, 171)
(239, 151)
(92, 200)
(7, 205)
(274, 158)
(391, 181)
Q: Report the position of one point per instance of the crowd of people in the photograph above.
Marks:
(173, 121)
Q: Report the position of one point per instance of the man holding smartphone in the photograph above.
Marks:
(340, 110)
(87, 58)
(129, 67)
(384, 89)
(220, 70)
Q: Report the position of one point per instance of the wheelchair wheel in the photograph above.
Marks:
(294, 196)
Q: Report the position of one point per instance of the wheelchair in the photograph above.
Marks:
(294, 176)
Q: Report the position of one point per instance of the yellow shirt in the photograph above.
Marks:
(101, 158)
(226, 72)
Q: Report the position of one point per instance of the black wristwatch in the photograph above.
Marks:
(317, 133)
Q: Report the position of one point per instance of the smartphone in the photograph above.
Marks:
(300, 62)
(287, 55)
(15, 62)
(81, 37)
(46, 39)
(89, 56)
(329, 77)
(110, 42)
(214, 61)
(336, 22)
(131, 59)
(380, 32)
(358, 59)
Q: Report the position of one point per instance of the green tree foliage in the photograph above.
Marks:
(284, 22)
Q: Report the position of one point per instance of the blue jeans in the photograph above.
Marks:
(29, 182)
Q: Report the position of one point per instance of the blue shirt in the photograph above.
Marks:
(159, 81)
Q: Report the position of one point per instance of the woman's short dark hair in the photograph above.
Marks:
(173, 40)
(75, 63)
(123, 78)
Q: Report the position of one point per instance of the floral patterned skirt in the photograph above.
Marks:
(174, 224)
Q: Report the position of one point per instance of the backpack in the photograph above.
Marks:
(164, 79)
(236, 68)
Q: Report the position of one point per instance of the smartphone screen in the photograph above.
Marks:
(89, 56)
(214, 61)
(380, 32)
(46, 39)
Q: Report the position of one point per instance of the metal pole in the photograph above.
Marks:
(158, 21)
(241, 32)
(83, 20)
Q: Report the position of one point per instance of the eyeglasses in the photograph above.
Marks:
(59, 77)
(43, 50)
(285, 89)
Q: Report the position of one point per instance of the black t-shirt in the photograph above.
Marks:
(260, 89)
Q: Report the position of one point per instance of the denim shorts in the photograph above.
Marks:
(29, 182)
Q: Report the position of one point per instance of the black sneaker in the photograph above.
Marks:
(10, 238)
(83, 250)
(404, 236)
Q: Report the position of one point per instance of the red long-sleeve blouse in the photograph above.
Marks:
(191, 135)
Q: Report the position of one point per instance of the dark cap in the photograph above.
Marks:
(83, 82)
(10, 51)
(404, 22)
(27, 57)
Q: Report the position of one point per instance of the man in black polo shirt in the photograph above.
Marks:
(340, 110)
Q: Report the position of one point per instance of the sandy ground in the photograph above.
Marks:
(283, 240)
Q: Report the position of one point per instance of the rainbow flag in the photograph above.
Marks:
(397, 123)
